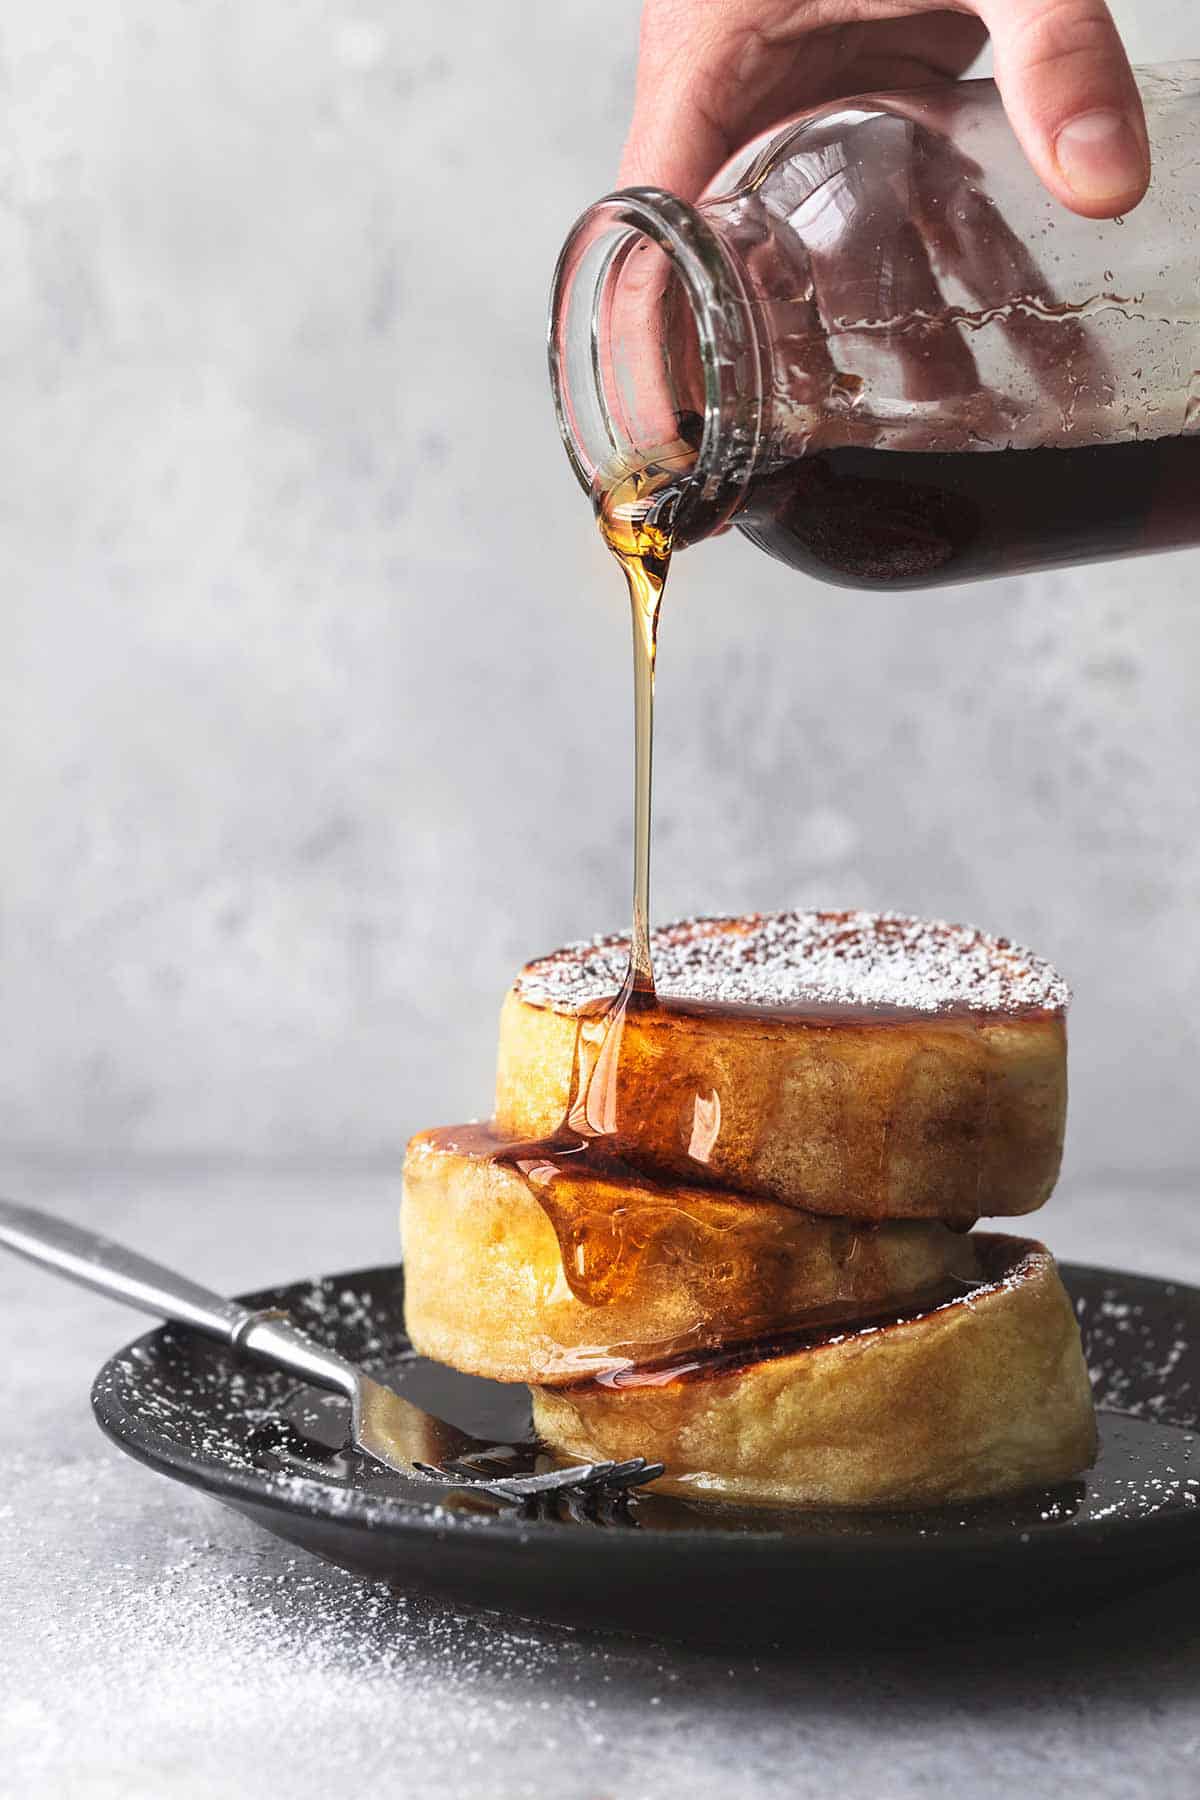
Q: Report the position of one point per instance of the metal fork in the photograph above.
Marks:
(600, 1480)
(383, 1425)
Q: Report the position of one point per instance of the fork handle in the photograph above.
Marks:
(96, 1262)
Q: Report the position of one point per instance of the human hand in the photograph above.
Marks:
(712, 74)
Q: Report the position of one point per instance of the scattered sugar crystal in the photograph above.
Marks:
(819, 958)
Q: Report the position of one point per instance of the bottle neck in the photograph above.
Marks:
(654, 355)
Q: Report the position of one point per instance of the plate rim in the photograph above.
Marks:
(308, 1497)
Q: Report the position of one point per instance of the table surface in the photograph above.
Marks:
(153, 1644)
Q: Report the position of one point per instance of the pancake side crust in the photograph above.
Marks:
(985, 1396)
(521, 1279)
(932, 1117)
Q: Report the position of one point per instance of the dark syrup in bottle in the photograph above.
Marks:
(868, 518)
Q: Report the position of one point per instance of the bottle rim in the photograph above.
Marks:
(716, 293)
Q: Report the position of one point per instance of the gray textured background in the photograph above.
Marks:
(313, 700)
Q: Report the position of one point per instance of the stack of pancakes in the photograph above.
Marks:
(731, 1230)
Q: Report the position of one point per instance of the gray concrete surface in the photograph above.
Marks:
(154, 1647)
(313, 694)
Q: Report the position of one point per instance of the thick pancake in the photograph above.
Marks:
(853, 1064)
(540, 1275)
(987, 1394)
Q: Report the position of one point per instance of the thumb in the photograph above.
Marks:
(1070, 94)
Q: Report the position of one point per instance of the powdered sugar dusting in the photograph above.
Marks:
(790, 959)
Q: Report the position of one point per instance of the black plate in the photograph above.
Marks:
(188, 1407)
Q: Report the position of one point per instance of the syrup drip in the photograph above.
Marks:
(601, 1255)
(1000, 1260)
(636, 522)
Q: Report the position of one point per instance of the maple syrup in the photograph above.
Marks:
(998, 1259)
(635, 516)
(897, 519)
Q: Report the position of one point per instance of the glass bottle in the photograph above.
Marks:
(881, 348)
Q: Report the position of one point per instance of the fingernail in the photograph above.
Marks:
(1100, 156)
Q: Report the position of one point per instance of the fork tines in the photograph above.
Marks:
(583, 1478)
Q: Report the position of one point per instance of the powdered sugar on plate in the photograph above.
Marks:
(787, 960)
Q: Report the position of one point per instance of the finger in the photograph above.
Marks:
(675, 141)
(680, 160)
(711, 77)
(713, 73)
(1070, 94)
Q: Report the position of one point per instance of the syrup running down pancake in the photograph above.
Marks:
(862, 1065)
(549, 1272)
(985, 1393)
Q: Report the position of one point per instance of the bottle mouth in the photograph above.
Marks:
(654, 357)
